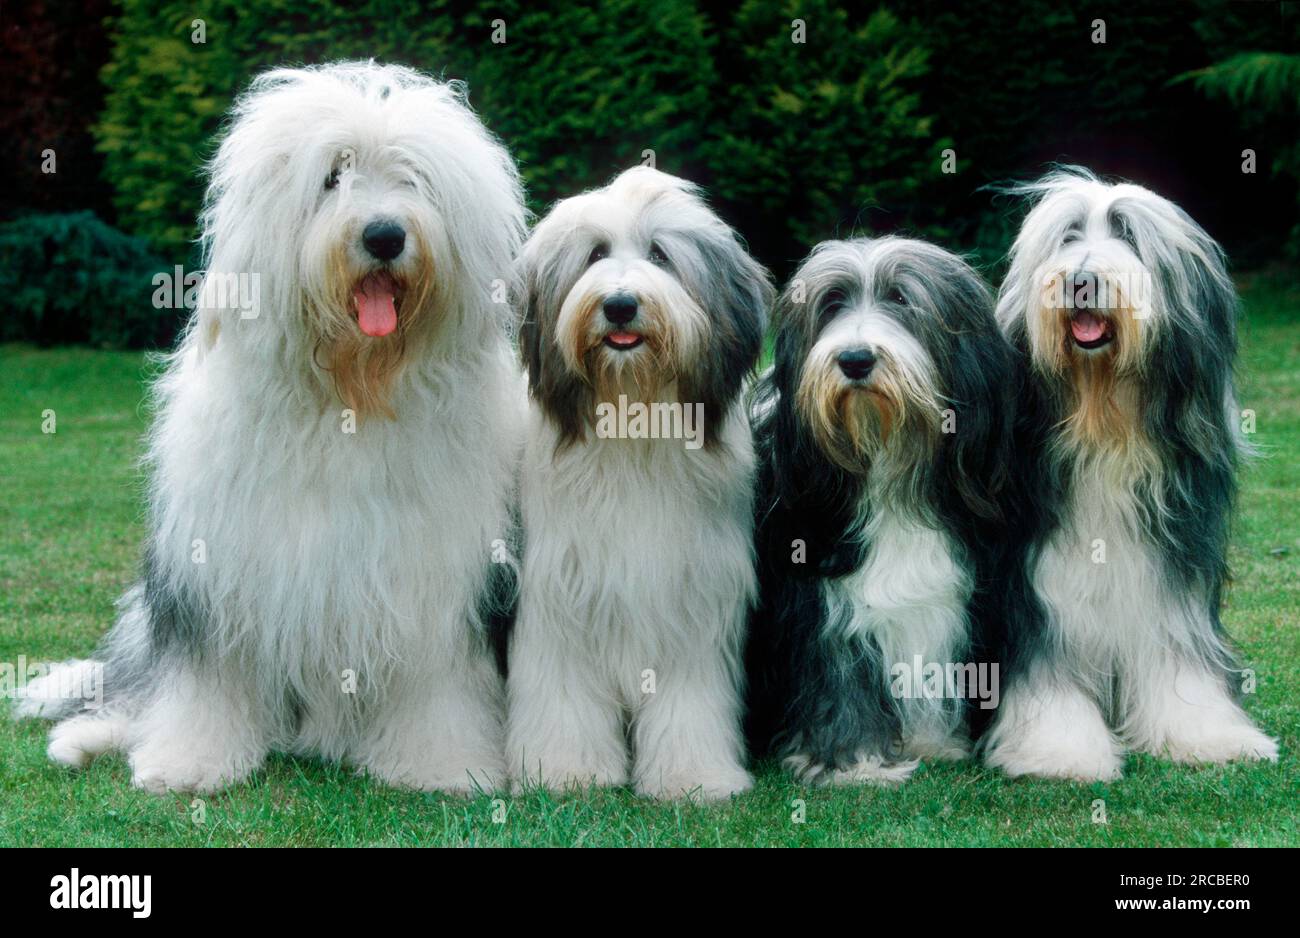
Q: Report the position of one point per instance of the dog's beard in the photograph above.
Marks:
(1094, 356)
(353, 303)
(892, 417)
(645, 373)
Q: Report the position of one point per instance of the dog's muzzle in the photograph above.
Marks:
(1090, 324)
(620, 309)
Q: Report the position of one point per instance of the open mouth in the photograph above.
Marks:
(377, 298)
(623, 341)
(1089, 330)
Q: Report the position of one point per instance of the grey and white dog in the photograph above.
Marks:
(328, 477)
(1123, 312)
(625, 661)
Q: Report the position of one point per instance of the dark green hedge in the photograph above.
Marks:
(796, 142)
(577, 91)
(72, 278)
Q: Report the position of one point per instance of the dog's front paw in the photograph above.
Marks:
(159, 775)
(78, 740)
(1229, 745)
(865, 770)
(704, 785)
(1098, 763)
(160, 766)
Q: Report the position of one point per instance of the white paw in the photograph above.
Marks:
(78, 740)
(704, 785)
(1098, 763)
(160, 776)
(865, 770)
(1053, 731)
(159, 768)
(1228, 745)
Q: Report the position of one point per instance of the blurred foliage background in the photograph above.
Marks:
(847, 130)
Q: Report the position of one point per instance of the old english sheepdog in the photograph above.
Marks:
(1123, 311)
(884, 432)
(625, 660)
(330, 477)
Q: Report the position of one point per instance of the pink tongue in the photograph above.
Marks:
(376, 306)
(623, 338)
(1087, 327)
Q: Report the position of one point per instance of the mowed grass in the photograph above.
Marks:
(72, 528)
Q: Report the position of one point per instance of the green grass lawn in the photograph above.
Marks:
(72, 530)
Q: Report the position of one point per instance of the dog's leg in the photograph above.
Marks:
(1052, 729)
(565, 731)
(79, 739)
(439, 729)
(839, 731)
(1182, 710)
(687, 734)
(202, 730)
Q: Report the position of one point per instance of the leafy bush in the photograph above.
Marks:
(576, 92)
(168, 92)
(795, 142)
(815, 135)
(72, 278)
(580, 91)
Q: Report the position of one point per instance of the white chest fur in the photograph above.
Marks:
(638, 553)
(909, 594)
(1101, 581)
(319, 546)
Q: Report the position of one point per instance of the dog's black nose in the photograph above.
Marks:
(856, 363)
(384, 239)
(620, 309)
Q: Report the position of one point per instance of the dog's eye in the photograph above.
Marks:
(1071, 236)
(332, 180)
(598, 253)
(833, 305)
(657, 256)
(896, 297)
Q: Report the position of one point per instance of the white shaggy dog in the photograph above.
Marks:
(638, 563)
(1122, 309)
(329, 475)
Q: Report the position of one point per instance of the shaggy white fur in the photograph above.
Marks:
(331, 478)
(638, 565)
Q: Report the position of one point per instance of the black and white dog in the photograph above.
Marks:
(883, 430)
(1121, 308)
(643, 318)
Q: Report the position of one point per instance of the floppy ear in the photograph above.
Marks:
(523, 298)
(974, 456)
(563, 398)
(736, 296)
(1191, 406)
(802, 495)
(1195, 348)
